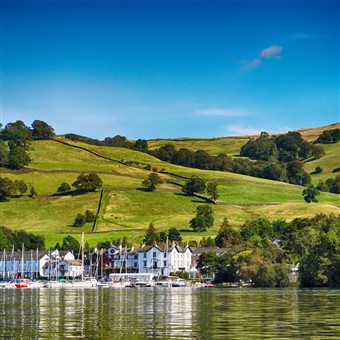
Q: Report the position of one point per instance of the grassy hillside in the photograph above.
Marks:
(127, 210)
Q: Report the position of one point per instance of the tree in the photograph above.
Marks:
(334, 184)
(227, 236)
(172, 235)
(141, 145)
(90, 182)
(318, 170)
(79, 220)
(208, 262)
(204, 218)
(151, 183)
(18, 158)
(6, 238)
(317, 151)
(70, 244)
(6, 188)
(64, 187)
(20, 187)
(89, 216)
(194, 185)
(33, 193)
(4, 151)
(212, 191)
(41, 130)
(184, 157)
(17, 134)
(151, 236)
(310, 194)
(296, 174)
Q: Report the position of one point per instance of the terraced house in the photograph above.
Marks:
(159, 259)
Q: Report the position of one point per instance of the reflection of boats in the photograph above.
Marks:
(172, 281)
(121, 280)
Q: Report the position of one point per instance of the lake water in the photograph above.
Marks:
(170, 313)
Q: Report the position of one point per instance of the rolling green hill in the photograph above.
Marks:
(127, 211)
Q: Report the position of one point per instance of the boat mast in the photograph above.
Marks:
(82, 256)
(22, 262)
(13, 262)
(31, 264)
(37, 265)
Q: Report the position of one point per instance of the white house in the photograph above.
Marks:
(163, 259)
(31, 264)
(158, 259)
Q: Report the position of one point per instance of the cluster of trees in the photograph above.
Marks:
(264, 251)
(329, 136)
(16, 188)
(16, 238)
(152, 235)
(84, 183)
(80, 219)
(116, 141)
(331, 185)
(15, 140)
(87, 183)
(196, 185)
(291, 171)
(283, 148)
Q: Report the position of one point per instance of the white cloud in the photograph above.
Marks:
(271, 52)
(222, 112)
(239, 130)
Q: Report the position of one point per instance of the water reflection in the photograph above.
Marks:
(161, 313)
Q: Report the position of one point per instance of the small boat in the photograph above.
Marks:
(7, 284)
(26, 283)
(86, 282)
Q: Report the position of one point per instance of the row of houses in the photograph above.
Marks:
(158, 259)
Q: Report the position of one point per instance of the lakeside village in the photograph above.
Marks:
(147, 266)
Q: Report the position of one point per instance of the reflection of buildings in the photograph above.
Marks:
(97, 313)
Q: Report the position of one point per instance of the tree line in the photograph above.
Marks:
(264, 252)
(281, 162)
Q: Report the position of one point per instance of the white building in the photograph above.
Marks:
(156, 259)
(31, 264)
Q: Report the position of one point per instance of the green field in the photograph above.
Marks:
(128, 211)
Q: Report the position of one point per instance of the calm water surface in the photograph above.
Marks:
(177, 313)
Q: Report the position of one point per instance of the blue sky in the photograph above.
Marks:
(167, 69)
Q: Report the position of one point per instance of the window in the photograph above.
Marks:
(144, 255)
(135, 265)
(155, 264)
(144, 263)
(154, 254)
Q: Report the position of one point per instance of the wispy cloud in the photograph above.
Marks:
(223, 112)
(271, 52)
(239, 130)
(304, 36)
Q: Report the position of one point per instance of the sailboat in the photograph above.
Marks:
(24, 283)
(85, 282)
